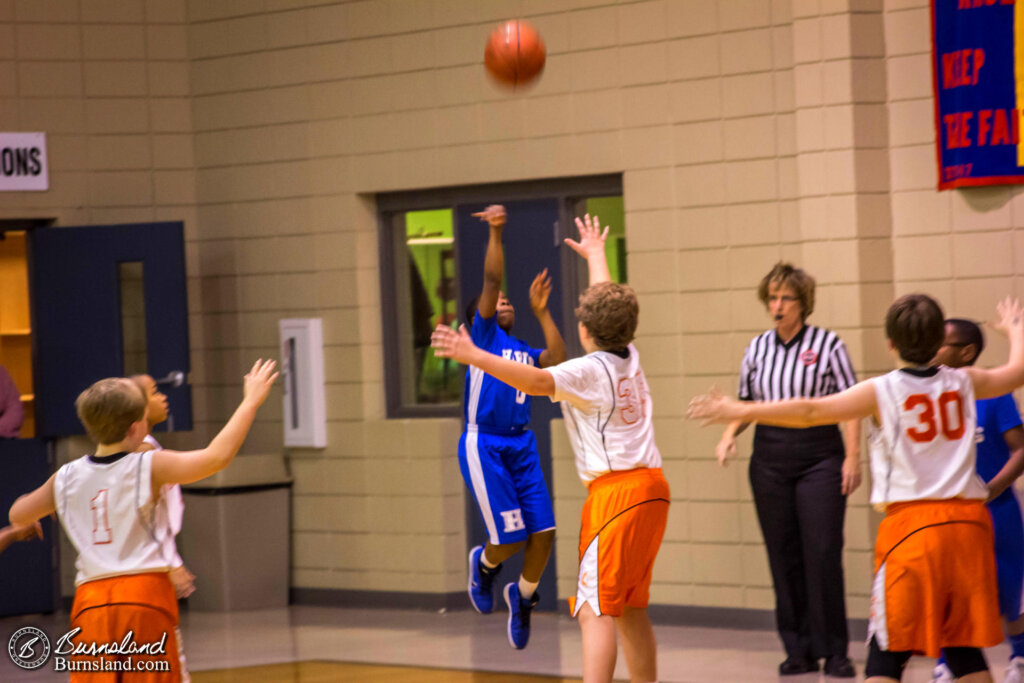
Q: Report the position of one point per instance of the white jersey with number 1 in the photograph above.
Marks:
(607, 410)
(924, 449)
(106, 507)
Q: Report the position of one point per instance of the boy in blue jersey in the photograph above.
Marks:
(498, 453)
(1000, 460)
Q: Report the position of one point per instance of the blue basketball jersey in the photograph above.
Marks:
(995, 416)
(490, 403)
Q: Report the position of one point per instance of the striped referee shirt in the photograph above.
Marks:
(813, 363)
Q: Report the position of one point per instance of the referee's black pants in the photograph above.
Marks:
(796, 479)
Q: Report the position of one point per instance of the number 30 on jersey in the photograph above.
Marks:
(950, 413)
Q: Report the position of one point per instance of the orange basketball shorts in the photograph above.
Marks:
(623, 522)
(935, 578)
(107, 609)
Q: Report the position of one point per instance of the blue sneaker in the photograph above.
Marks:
(518, 615)
(481, 582)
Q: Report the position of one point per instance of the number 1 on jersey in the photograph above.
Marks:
(100, 525)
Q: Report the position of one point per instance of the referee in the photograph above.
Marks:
(800, 477)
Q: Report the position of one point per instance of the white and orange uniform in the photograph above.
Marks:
(935, 572)
(107, 509)
(607, 410)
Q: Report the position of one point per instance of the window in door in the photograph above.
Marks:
(424, 266)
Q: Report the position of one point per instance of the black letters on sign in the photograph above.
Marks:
(18, 161)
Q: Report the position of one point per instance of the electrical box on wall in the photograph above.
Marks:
(302, 376)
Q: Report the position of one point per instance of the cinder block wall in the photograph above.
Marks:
(746, 131)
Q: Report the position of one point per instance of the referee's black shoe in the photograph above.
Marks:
(838, 666)
(794, 666)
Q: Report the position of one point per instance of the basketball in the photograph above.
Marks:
(515, 53)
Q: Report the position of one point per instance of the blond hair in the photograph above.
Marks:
(610, 312)
(109, 407)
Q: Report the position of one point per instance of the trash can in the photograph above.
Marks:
(235, 535)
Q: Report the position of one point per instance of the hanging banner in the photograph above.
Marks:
(23, 164)
(978, 64)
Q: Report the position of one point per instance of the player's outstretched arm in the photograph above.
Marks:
(856, 402)
(591, 247)
(540, 290)
(31, 507)
(458, 346)
(13, 534)
(171, 467)
(1005, 378)
(494, 260)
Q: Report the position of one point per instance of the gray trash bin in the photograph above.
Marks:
(235, 536)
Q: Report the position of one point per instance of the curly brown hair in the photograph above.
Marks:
(109, 407)
(797, 279)
(610, 313)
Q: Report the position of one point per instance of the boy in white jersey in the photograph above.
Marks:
(607, 411)
(935, 574)
(106, 502)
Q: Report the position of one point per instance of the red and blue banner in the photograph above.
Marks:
(978, 67)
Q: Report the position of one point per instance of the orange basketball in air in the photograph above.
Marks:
(515, 53)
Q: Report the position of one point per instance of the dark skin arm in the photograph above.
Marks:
(539, 292)
(494, 261)
(1013, 468)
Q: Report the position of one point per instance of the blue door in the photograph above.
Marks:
(532, 241)
(77, 278)
(28, 571)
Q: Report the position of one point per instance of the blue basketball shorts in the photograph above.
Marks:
(1008, 524)
(503, 474)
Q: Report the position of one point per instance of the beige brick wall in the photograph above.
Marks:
(746, 131)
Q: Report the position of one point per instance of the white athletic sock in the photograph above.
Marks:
(527, 588)
(484, 561)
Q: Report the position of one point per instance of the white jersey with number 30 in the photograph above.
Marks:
(106, 507)
(607, 410)
(924, 449)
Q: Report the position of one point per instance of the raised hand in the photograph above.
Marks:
(493, 215)
(591, 237)
(258, 381)
(1011, 315)
(448, 343)
(713, 407)
(540, 290)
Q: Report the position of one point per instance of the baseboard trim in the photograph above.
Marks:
(673, 615)
(332, 597)
(733, 617)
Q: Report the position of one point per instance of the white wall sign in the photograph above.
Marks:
(302, 374)
(23, 165)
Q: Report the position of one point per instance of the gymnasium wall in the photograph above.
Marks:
(746, 131)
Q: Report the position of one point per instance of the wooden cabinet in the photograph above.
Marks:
(16, 322)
